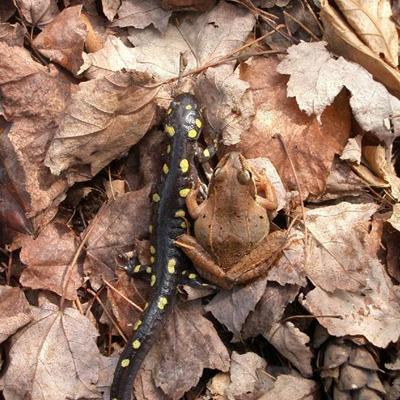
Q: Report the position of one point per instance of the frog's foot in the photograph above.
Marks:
(257, 263)
(203, 261)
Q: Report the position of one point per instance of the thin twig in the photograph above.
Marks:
(302, 25)
(123, 296)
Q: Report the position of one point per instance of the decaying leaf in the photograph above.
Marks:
(345, 42)
(373, 312)
(37, 12)
(49, 260)
(394, 219)
(113, 231)
(339, 259)
(187, 338)
(54, 357)
(33, 98)
(103, 120)
(63, 39)
(15, 311)
(139, 14)
(12, 34)
(311, 145)
(325, 77)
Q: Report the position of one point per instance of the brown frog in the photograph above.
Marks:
(232, 243)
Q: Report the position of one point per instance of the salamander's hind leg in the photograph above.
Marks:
(133, 267)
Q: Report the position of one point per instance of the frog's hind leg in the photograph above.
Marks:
(260, 259)
(204, 263)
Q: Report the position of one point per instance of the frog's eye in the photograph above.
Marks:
(244, 176)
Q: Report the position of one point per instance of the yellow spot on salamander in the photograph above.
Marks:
(137, 268)
(170, 130)
(156, 197)
(189, 107)
(184, 192)
(180, 213)
(183, 224)
(150, 228)
(125, 362)
(198, 123)
(152, 250)
(171, 265)
(168, 149)
(152, 260)
(137, 324)
(192, 133)
(206, 153)
(148, 270)
(152, 280)
(184, 165)
(136, 344)
(165, 169)
(162, 302)
(192, 276)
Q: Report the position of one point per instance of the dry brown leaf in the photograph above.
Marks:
(311, 145)
(63, 39)
(285, 337)
(247, 376)
(113, 232)
(187, 339)
(110, 8)
(373, 313)
(103, 120)
(337, 257)
(199, 39)
(232, 307)
(373, 106)
(289, 387)
(15, 311)
(394, 219)
(33, 98)
(7, 9)
(12, 34)
(54, 357)
(345, 42)
(135, 290)
(371, 20)
(140, 14)
(188, 5)
(49, 259)
(37, 12)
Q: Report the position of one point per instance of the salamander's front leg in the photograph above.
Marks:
(203, 261)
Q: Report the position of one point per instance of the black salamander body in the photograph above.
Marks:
(183, 125)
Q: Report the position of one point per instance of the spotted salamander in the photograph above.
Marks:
(183, 126)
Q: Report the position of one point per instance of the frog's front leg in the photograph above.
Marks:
(203, 261)
(259, 260)
(264, 185)
(194, 208)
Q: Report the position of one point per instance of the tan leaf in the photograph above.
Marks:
(103, 120)
(15, 311)
(311, 145)
(337, 258)
(343, 41)
(371, 20)
(289, 387)
(49, 259)
(208, 36)
(63, 39)
(187, 338)
(373, 313)
(113, 231)
(139, 14)
(394, 219)
(12, 34)
(232, 307)
(325, 78)
(34, 97)
(110, 8)
(55, 357)
(38, 12)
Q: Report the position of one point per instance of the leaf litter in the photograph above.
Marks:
(84, 90)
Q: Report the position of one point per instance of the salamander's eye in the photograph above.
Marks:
(244, 176)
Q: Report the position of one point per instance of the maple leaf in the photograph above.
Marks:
(54, 357)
